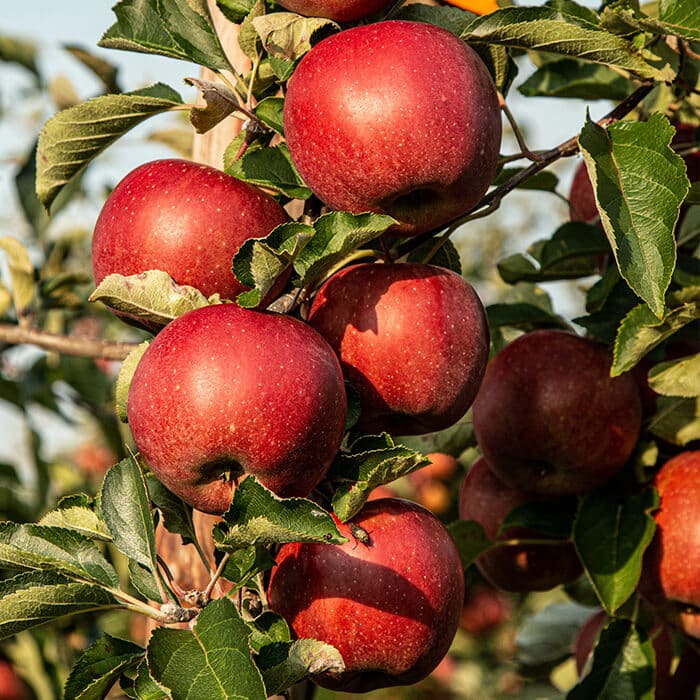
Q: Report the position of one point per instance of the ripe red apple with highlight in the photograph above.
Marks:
(411, 338)
(395, 117)
(223, 391)
(339, 10)
(549, 418)
(390, 605)
(483, 497)
(670, 578)
(184, 218)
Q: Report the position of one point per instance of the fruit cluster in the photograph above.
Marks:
(223, 392)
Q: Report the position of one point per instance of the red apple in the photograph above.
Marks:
(582, 204)
(390, 605)
(412, 339)
(339, 10)
(394, 117)
(483, 497)
(183, 218)
(12, 687)
(549, 418)
(223, 391)
(485, 609)
(671, 573)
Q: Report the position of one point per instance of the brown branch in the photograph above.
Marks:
(79, 346)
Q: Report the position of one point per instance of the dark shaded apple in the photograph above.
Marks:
(485, 609)
(582, 204)
(412, 339)
(339, 10)
(395, 117)
(549, 418)
(184, 218)
(670, 578)
(390, 605)
(223, 391)
(483, 497)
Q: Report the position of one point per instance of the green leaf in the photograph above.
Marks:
(72, 138)
(177, 515)
(23, 53)
(105, 71)
(641, 331)
(36, 597)
(546, 29)
(258, 516)
(288, 36)
(682, 17)
(546, 638)
(260, 262)
(270, 110)
(56, 549)
(571, 78)
(372, 460)
(610, 537)
(525, 316)
(677, 420)
(544, 181)
(447, 255)
(453, 19)
(471, 540)
(21, 273)
(266, 166)
(212, 661)
(622, 668)
(126, 374)
(244, 564)
(99, 668)
(235, 10)
(152, 296)
(283, 664)
(554, 519)
(220, 101)
(677, 378)
(174, 28)
(639, 184)
(77, 512)
(337, 234)
(126, 509)
(568, 254)
(268, 628)
(146, 687)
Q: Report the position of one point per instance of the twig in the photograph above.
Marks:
(216, 576)
(79, 346)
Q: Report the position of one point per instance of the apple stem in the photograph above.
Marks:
(215, 577)
(525, 152)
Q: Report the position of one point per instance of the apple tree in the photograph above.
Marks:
(282, 348)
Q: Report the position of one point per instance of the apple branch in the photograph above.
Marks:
(78, 346)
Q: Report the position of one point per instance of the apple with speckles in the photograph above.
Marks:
(184, 218)
(412, 138)
(339, 10)
(390, 602)
(223, 391)
(671, 572)
(550, 419)
(484, 498)
(412, 340)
